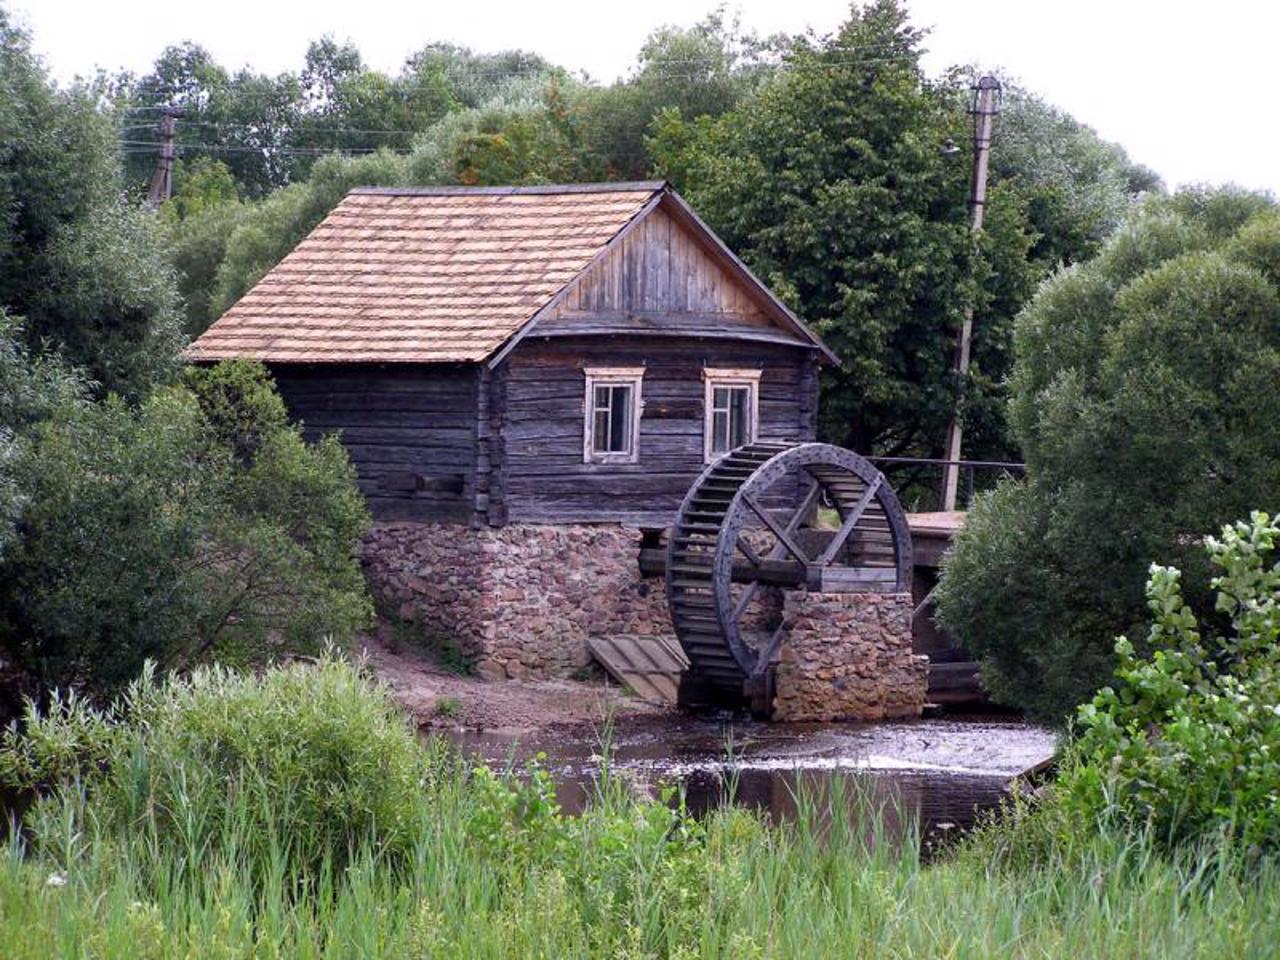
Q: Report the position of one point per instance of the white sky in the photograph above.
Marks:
(1189, 88)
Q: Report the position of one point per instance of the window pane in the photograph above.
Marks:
(719, 432)
(739, 416)
(620, 425)
(720, 398)
(600, 434)
(611, 425)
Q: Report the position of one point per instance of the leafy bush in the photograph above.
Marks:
(198, 523)
(1143, 397)
(78, 257)
(1188, 739)
(312, 755)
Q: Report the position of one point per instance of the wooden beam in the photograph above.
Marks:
(778, 531)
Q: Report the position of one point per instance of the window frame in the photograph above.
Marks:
(632, 377)
(716, 377)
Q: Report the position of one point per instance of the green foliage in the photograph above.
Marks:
(830, 182)
(1187, 741)
(199, 186)
(311, 753)
(1143, 399)
(196, 523)
(1075, 188)
(293, 814)
(80, 262)
(701, 71)
(31, 389)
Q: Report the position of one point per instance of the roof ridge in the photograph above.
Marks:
(619, 186)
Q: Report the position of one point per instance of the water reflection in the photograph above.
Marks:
(939, 773)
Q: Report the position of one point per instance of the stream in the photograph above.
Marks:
(939, 773)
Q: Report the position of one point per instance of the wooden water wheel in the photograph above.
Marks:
(767, 517)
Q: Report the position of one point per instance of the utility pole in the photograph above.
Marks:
(161, 188)
(986, 104)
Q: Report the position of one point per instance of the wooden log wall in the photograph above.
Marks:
(413, 432)
(544, 478)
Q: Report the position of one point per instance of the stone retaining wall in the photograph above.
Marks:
(847, 656)
(520, 600)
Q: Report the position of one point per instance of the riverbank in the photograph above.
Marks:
(294, 814)
(436, 698)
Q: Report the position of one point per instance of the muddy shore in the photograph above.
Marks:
(442, 700)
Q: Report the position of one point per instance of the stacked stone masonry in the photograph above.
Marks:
(847, 656)
(522, 601)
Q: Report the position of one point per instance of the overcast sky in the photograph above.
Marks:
(1189, 88)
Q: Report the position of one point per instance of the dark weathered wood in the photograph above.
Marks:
(704, 555)
(708, 327)
(409, 430)
(544, 408)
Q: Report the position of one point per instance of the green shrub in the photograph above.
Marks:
(196, 524)
(313, 757)
(1188, 739)
(292, 814)
(1143, 398)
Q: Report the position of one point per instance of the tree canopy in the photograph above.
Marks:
(1143, 398)
(834, 185)
(82, 263)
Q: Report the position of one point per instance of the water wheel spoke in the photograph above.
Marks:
(806, 505)
(850, 522)
(776, 528)
(715, 596)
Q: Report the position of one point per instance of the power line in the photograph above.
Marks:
(806, 60)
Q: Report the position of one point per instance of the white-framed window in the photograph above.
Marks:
(611, 426)
(732, 407)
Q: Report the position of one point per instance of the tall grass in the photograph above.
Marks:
(483, 865)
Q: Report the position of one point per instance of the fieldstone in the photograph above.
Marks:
(848, 657)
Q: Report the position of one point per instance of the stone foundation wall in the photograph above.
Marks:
(520, 600)
(848, 657)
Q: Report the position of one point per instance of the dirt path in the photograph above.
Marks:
(436, 698)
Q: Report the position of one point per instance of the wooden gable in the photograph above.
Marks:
(667, 274)
(656, 270)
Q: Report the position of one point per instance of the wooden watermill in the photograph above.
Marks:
(770, 517)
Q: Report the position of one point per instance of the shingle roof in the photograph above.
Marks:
(428, 275)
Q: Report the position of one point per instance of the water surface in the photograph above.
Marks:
(941, 773)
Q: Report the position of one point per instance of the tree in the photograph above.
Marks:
(703, 70)
(31, 388)
(1143, 397)
(1076, 188)
(195, 524)
(831, 183)
(83, 265)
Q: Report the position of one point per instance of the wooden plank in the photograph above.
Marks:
(651, 666)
